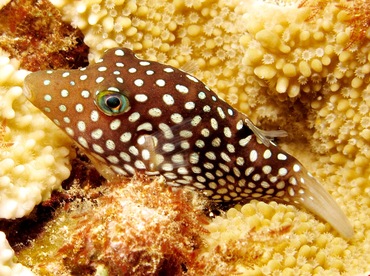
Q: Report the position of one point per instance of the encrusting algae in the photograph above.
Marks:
(311, 79)
(124, 228)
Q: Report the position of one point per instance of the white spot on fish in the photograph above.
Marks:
(133, 150)
(98, 149)
(47, 98)
(201, 95)
(62, 108)
(99, 79)
(125, 137)
(69, 131)
(155, 112)
(189, 105)
(168, 70)
(134, 117)
(190, 77)
(266, 169)
(109, 144)
(94, 116)
(186, 133)
(227, 132)
(206, 108)
(113, 159)
(282, 157)
(168, 99)
(196, 120)
(83, 142)
(139, 82)
(115, 124)
(221, 112)
(81, 126)
(176, 118)
(267, 154)
(253, 155)
(96, 133)
(64, 93)
(85, 94)
(182, 89)
(119, 53)
(145, 126)
(141, 98)
(144, 63)
(125, 156)
(83, 77)
(79, 108)
(160, 83)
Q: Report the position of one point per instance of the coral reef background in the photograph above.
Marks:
(300, 66)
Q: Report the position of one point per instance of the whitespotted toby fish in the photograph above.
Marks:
(141, 116)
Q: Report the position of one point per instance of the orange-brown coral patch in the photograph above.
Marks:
(138, 227)
(33, 32)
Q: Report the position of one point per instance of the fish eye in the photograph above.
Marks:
(112, 103)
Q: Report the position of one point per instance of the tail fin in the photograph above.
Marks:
(317, 200)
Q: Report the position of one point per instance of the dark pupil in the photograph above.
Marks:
(113, 102)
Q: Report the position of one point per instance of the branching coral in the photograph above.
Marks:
(34, 155)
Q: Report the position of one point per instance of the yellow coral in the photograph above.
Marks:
(7, 264)
(33, 155)
(275, 239)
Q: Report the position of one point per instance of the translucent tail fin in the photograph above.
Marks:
(317, 200)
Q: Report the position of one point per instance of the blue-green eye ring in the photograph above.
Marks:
(112, 103)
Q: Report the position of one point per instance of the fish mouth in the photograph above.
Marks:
(27, 91)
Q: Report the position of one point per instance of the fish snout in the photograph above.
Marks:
(29, 87)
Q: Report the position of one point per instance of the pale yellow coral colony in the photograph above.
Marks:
(286, 64)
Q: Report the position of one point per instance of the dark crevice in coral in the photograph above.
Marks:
(21, 232)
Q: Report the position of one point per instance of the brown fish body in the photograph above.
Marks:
(143, 116)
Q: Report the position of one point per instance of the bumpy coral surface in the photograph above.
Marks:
(7, 263)
(275, 239)
(34, 155)
(302, 66)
